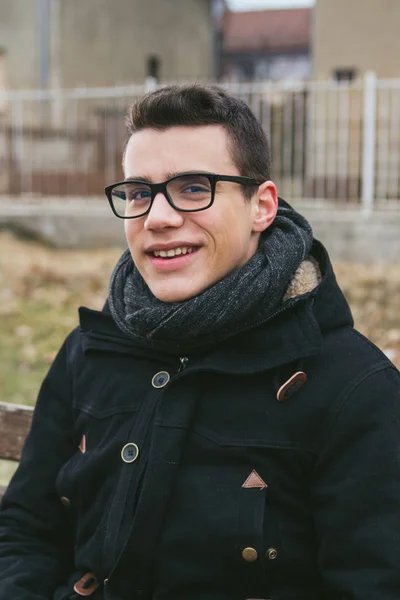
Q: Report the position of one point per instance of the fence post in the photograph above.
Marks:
(368, 153)
(150, 84)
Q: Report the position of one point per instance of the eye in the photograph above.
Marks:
(140, 195)
(137, 194)
(195, 188)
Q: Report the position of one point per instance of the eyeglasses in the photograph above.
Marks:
(189, 192)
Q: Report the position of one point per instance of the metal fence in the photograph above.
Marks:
(331, 142)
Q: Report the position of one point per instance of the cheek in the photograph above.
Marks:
(233, 233)
(230, 249)
(127, 229)
(131, 233)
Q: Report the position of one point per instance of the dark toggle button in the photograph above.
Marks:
(129, 452)
(65, 501)
(160, 379)
(86, 585)
(293, 384)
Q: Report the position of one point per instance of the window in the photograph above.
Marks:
(346, 74)
(153, 67)
(246, 68)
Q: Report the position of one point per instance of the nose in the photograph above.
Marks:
(162, 214)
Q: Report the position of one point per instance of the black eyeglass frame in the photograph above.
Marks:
(156, 188)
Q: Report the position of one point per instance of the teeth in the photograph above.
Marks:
(173, 252)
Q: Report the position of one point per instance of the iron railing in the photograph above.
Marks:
(331, 142)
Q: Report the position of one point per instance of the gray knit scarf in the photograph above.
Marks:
(245, 297)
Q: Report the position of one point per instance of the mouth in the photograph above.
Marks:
(172, 259)
(173, 252)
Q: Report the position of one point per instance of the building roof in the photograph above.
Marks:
(267, 30)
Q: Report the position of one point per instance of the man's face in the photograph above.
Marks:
(213, 242)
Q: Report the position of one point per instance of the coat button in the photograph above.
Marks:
(129, 452)
(250, 554)
(292, 385)
(160, 379)
(65, 501)
(87, 585)
(272, 553)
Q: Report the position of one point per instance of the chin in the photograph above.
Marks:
(173, 295)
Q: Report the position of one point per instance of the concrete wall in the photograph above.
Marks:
(105, 42)
(90, 224)
(348, 235)
(363, 34)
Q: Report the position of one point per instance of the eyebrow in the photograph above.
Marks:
(169, 175)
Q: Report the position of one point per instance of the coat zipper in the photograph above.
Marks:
(183, 360)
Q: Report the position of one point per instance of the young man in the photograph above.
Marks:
(219, 431)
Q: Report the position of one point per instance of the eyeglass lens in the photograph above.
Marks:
(187, 192)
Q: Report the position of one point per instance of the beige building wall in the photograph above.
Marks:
(19, 43)
(359, 34)
(106, 42)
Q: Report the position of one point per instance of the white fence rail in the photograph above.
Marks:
(336, 142)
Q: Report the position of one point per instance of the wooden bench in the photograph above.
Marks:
(15, 421)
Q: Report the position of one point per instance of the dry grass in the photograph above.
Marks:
(41, 288)
(373, 292)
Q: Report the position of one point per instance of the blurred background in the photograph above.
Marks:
(323, 77)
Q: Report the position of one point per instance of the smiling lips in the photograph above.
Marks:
(172, 252)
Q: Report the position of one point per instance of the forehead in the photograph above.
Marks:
(156, 154)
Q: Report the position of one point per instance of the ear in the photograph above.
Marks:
(265, 206)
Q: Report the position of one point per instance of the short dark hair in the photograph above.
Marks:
(196, 105)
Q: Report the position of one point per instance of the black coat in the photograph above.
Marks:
(223, 492)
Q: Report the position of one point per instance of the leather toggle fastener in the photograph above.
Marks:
(87, 585)
(82, 445)
(254, 481)
(288, 389)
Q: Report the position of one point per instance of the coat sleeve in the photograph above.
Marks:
(35, 528)
(356, 492)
